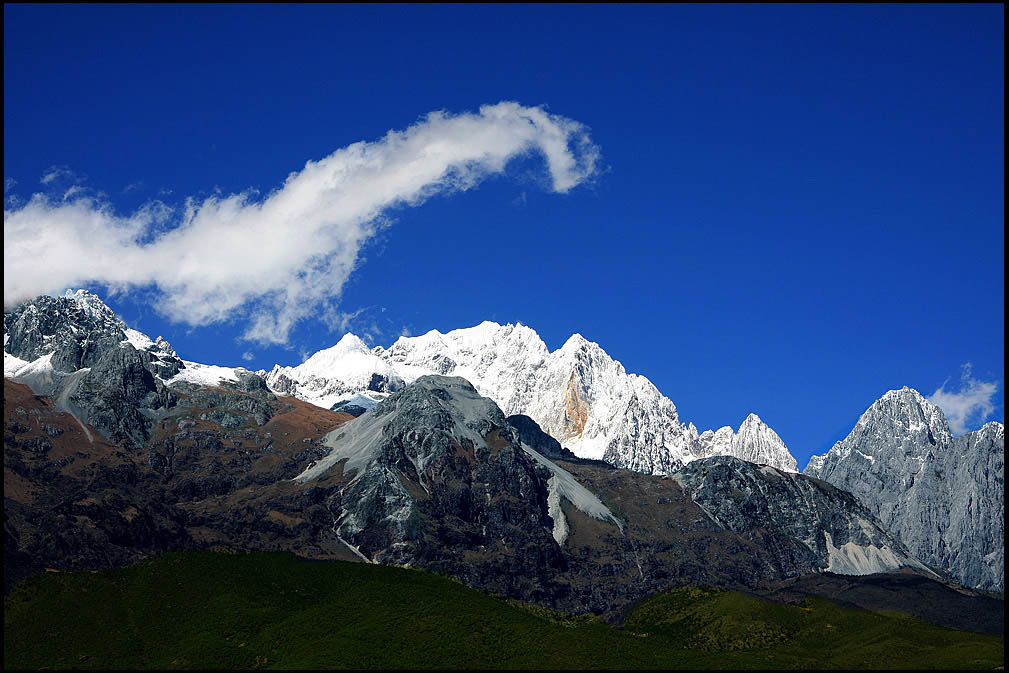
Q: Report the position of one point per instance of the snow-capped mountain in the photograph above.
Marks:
(942, 495)
(49, 337)
(348, 371)
(75, 350)
(755, 442)
(578, 393)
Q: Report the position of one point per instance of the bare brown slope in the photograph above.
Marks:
(74, 501)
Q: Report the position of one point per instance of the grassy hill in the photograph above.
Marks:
(211, 610)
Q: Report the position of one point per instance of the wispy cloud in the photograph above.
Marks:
(248, 356)
(971, 405)
(280, 258)
(54, 173)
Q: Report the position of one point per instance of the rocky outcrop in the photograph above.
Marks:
(430, 472)
(839, 533)
(531, 435)
(75, 350)
(117, 394)
(77, 329)
(941, 495)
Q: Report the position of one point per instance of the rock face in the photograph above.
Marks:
(75, 350)
(839, 533)
(577, 394)
(436, 472)
(531, 435)
(77, 329)
(436, 476)
(942, 495)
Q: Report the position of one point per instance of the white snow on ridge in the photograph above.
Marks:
(12, 364)
(206, 375)
(39, 374)
(139, 340)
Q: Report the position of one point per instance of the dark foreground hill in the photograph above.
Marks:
(272, 610)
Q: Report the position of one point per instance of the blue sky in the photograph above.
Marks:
(793, 210)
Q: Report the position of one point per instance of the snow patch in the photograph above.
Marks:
(138, 340)
(567, 486)
(206, 375)
(560, 531)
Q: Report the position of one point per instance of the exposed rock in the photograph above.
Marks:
(942, 496)
(115, 393)
(839, 533)
(531, 435)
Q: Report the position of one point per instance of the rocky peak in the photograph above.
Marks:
(756, 442)
(435, 451)
(942, 495)
(77, 328)
(906, 413)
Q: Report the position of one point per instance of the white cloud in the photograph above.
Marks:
(278, 259)
(55, 173)
(248, 356)
(971, 405)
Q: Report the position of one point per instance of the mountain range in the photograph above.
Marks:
(578, 394)
(552, 477)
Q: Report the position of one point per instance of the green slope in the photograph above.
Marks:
(207, 610)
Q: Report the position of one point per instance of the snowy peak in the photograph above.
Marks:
(337, 374)
(903, 413)
(347, 350)
(577, 393)
(758, 443)
(90, 304)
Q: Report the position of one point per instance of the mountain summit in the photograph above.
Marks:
(942, 495)
(577, 394)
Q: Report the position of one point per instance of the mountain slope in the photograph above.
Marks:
(841, 535)
(942, 495)
(239, 611)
